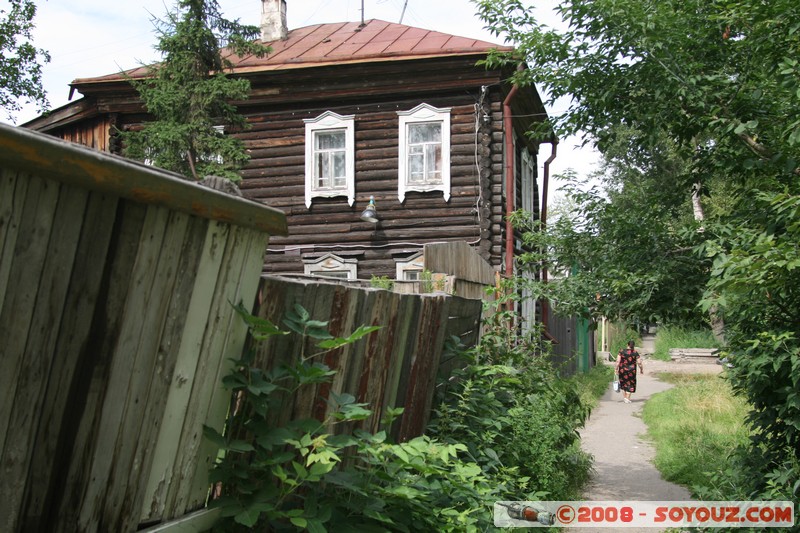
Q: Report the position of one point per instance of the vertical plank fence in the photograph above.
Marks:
(396, 366)
(471, 272)
(115, 326)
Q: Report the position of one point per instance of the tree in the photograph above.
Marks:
(189, 94)
(720, 80)
(628, 240)
(20, 70)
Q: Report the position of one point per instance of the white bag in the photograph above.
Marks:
(615, 383)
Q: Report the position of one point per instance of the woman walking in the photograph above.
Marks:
(627, 361)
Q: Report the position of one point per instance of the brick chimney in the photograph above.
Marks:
(273, 20)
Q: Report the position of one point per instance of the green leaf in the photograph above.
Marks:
(299, 521)
(315, 526)
(301, 313)
(260, 328)
(401, 453)
(343, 398)
(240, 446)
(406, 492)
(359, 333)
(319, 469)
(353, 412)
(299, 470)
(236, 379)
(275, 437)
(315, 373)
(247, 518)
(214, 436)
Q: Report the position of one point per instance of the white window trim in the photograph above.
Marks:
(330, 121)
(330, 263)
(423, 113)
(414, 263)
(528, 178)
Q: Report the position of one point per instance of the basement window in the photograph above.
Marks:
(411, 268)
(424, 150)
(331, 266)
(330, 157)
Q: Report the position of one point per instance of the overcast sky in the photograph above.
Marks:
(88, 38)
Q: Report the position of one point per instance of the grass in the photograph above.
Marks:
(674, 337)
(592, 384)
(694, 426)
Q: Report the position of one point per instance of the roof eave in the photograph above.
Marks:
(91, 85)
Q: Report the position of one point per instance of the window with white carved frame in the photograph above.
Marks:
(424, 150)
(330, 157)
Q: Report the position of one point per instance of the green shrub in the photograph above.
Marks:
(593, 384)
(516, 417)
(504, 429)
(382, 282)
(302, 476)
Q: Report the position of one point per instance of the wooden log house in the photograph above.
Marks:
(340, 113)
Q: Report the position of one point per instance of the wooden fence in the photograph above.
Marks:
(115, 325)
(471, 273)
(396, 366)
(574, 349)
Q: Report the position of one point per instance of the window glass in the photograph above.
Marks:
(329, 157)
(411, 275)
(340, 274)
(424, 153)
(425, 133)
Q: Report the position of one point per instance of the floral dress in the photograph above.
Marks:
(627, 370)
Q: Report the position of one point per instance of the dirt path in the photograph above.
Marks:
(623, 459)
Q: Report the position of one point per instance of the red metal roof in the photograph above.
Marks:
(345, 42)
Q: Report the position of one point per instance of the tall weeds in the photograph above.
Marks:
(670, 337)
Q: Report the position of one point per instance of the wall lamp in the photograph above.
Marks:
(370, 214)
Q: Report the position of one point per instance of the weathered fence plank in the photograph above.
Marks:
(97, 357)
(58, 407)
(163, 469)
(107, 289)
(458, 259)
(395, 366)
(36, 370)
(153, 373)
(240, 285)
(13, 189)
(16, 316)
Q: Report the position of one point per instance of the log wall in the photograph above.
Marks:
(373, 92)
(275, 176)
(115, 319)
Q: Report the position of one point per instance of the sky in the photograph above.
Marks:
(87, 38)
